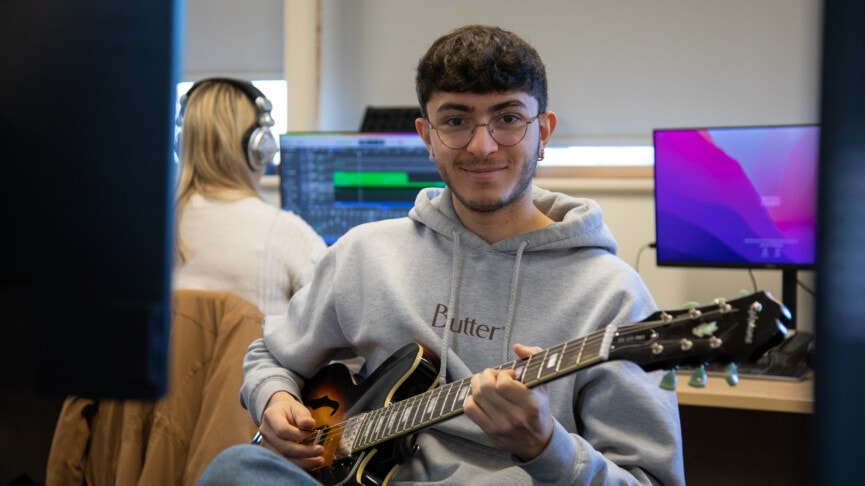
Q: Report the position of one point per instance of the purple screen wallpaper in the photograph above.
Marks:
(738, 197)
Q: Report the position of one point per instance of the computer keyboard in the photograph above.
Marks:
(788, 361)
(764, 370)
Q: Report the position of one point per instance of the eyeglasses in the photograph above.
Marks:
(507, 129)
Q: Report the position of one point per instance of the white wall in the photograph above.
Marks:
(235, 38)
(617, 68)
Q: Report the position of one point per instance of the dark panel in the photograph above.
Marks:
(840, 323)
(86, 116)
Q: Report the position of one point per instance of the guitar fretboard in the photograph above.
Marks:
(368, 429)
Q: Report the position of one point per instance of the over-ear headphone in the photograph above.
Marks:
(259, 144)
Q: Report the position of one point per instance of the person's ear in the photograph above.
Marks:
(547, 123)
(423, 129)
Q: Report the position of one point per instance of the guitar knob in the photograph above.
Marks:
(731, 374)
(723, 306)
(698, 378)
(668, 382)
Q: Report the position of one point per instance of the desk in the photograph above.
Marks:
(750, 394)
(756, 433)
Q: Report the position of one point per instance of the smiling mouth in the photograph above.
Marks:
(482, 170)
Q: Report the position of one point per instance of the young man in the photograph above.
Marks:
(476, 269)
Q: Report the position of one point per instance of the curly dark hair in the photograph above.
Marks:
(481, 59)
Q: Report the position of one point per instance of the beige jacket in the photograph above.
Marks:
(172, 440)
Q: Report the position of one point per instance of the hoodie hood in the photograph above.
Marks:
(578, 223)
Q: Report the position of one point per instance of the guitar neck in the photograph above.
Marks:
(406, 416)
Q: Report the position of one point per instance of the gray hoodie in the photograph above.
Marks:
(426, 279)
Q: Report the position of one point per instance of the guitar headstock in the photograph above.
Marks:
(735, 331)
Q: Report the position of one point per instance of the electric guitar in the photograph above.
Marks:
(367, 428)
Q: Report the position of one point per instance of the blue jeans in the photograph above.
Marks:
(252, 465)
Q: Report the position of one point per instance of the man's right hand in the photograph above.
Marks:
(285, 426)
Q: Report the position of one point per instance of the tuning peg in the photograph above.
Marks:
(668, 382)
(698, 378)
(691, 305)
(731, 374)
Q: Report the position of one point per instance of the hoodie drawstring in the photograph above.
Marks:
(512, 301)
(447, 337)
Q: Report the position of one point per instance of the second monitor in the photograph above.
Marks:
(337, 180)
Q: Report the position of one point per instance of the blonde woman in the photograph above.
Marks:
(228, 237)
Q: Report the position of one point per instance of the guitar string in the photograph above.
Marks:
(589, 344)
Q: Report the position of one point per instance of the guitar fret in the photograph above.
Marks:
(422, 408)
(580, 353)
(392, 418)
(417, 407)
(449, 404)
(432, 409)
(543, 365)
(349, 436)
(564, 353)
(363, 430)
(532, 369)
(372, 426)
(375, 432)
(463, 393)
(536, 367)
(429, 409)
(406, 413)
(386, 421)
(440, 402)
(553, 361)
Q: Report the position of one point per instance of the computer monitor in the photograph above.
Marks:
(390, 119)
(336, 181)
(738, 197)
